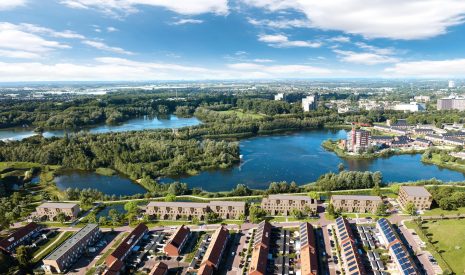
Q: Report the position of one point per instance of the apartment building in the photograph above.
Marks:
(284, 204)
(356, 203)
(309, 103)
(189, 210)
(228, 209)
(50, 210)
(352, 262)
(215, 250)
(451, 103)
(115, 261)
(399, 255)
(308, 255)
(261, 247)
(358, 140)
(62, 258)
(19, 236)
(177, 241)
(418, 195)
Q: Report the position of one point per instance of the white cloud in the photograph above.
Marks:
(184, 21)
(281, 41)
(16, 42)
(340, 39)
(112, 29)
(11, 4)
(395, 19)
(280, 24)
(118, 7)
(110, 69)
(46, 31)
(365, 58)
(104, 47)
(428, 68)
(262, 60)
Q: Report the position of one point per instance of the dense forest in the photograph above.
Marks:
(147, 153)
(347, 180)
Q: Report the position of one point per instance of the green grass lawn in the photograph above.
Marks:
(448, 238)
(439, 211)
(44, 251)
(242, 114)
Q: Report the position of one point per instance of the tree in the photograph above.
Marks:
(102, 220)
(195, 220)
(131, 207)
(381, 210)
(297, 214)
(314, 195)
(376, 191)
(448, 203)
(91, 217)
(212, 217)
(170, 197)
(114, 216)
(410, 209)
(23, 255)
(331, 210)
(256, 213)
(61, 217)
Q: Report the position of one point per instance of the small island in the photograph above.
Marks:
(362, 144)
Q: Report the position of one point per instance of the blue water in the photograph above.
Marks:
(300, 157)
(104, 212)
(110, 185)
(137, 124)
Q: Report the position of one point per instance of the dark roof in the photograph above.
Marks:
(216, 246)
(160, 268)
(129, 242)
(205, 270)
(178, 237)
(18, 234)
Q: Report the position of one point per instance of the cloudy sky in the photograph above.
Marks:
(42, 40)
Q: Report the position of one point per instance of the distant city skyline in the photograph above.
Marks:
(144, 40)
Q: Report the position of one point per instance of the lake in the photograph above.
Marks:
(110, 185)
(300, 157)
(137, 124)
(295, 157)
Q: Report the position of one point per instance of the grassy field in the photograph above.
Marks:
(436, 159)
(439, 211)
(448, 238)
(46, 249)
(242, 114)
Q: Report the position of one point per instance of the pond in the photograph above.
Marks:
(137, 124)
(105, 211)
(300, 157)
(109, 185)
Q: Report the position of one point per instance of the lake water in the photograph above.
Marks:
(116, 184)
(295, 157)
(300, 157)
(137, 124)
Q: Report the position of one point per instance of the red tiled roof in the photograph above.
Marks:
(214, 250)
(308, 256)
(127, 244)
(178, 237)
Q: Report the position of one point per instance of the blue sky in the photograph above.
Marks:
(47, 40)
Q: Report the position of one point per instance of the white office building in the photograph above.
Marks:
(309, 103)
(410, 107)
